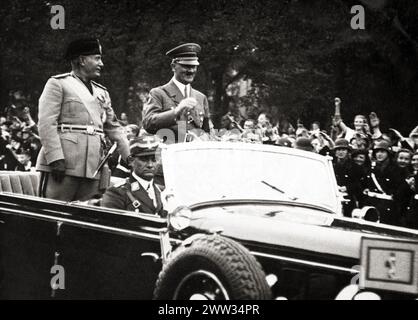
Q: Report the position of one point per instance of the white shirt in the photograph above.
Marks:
(182, 87)
(148, 186)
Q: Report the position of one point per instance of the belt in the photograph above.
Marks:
(63, 127)
(383, 196)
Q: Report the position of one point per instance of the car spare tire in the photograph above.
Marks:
(211, 267)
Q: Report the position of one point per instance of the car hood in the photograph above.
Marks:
(294, 226)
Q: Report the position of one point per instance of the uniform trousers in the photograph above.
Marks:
(69, 189)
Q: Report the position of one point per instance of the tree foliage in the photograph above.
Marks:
(299, 54)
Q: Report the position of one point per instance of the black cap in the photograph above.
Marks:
(144, 145)
(185, 54)
(85, 47)
(382, 145)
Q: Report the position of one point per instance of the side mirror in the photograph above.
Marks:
(367, 213)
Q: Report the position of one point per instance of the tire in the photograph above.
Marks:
(212, 267)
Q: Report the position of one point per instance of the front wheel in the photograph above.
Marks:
(212, 268)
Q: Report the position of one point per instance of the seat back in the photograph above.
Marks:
(19, 182)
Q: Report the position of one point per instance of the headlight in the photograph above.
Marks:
(179, 219)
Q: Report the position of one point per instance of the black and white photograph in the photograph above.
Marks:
(209, 150)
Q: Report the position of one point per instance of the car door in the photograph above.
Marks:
(27, 244)
(109, 254)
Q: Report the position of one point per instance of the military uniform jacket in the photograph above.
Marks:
(159, 109)
(117, 197)
(348, 174)
(412, 208)
(66, 100)
(390, 180)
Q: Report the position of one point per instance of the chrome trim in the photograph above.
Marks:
(304, 262)
(155, 257)
(59, 225)
(89, 225)
(348, 292)
(153, 229)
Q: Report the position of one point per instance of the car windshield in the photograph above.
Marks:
(224, 173)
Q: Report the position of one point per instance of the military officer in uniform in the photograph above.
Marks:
(75, 113)
(175, 108)
(139, 192)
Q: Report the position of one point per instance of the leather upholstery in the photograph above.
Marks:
(19, 182)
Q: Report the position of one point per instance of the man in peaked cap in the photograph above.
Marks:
(176, 107)
(139, 192)
(75, 113)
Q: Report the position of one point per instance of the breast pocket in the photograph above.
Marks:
(71, 108)
(69, 143)
(169, 104)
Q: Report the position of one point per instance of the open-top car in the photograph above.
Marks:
(246, 221)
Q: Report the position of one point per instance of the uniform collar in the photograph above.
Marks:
(144, 183)
(181, 86)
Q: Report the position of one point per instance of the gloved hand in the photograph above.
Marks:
(185, 105)
(58, 170)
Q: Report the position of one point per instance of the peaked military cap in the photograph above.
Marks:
(85, 47)
(144, 145)
(185, 54)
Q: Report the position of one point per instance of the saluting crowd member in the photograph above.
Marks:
(177, 101)
(75, 113)
(139, 192)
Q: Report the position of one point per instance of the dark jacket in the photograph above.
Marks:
(159, 110)
(349, 175)
(117, 197)
(392, 183)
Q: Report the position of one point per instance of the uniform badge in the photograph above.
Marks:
(101, 99)
(135, 186)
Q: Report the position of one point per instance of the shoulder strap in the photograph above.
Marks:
(59, 76)
(376, 183)
(135, 203)
(98, 85)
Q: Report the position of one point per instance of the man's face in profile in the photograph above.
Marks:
(184, 73)
(92, 65)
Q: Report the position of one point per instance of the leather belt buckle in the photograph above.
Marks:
(90, 129)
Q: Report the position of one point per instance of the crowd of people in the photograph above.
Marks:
(372, 167)
(19, 140)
